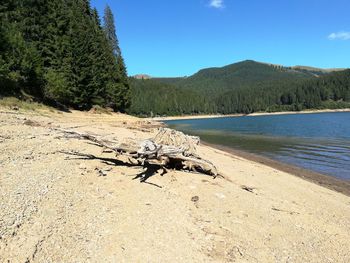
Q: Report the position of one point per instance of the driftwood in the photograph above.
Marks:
(169, 149)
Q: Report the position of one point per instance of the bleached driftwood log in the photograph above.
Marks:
(178, 139)
(169, 149)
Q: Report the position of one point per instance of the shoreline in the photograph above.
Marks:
(208, 116)
(330, 182)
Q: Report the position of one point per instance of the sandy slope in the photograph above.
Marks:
(55, 207)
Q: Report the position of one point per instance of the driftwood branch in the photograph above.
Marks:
(169, 149)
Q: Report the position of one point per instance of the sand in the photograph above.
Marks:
(55, 207)
(209, 116)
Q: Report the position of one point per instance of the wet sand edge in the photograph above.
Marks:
(341, 186)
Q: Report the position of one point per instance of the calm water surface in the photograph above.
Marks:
(319, 142)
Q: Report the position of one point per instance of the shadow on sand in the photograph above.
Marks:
(149, 169)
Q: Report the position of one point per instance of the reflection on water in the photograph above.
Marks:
(319, 142)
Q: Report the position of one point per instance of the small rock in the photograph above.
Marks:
(102, 173)
(82, 166)
(28, 155)
(195, 198)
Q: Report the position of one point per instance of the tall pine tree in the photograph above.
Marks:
(121, 92)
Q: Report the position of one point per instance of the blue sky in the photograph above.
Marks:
(177, 38)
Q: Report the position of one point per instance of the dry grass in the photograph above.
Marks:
(100, 110)
(13, 103)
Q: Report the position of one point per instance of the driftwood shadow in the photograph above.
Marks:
(150, 169)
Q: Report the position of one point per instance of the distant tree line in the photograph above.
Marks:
(328, 91)
(58, 52)
(153, 97)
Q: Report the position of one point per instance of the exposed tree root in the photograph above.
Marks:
(169, 149)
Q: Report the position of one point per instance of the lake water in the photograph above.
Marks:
(318, 142)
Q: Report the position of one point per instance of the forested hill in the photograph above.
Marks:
(243, 87)
(60, 52)
(239, 75)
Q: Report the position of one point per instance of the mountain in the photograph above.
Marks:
(243, 87)
(319, 70)
(242, 74)
(142, 76)
(239, 75)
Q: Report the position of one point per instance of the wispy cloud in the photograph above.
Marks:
(339, 35)
(217, 3)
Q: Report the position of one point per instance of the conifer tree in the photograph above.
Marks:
(58, 52)
(120, 93)
(110, 30)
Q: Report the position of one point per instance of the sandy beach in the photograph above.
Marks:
(207, 116)
(56, 207)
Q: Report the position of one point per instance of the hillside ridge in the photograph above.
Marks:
(295, 67)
